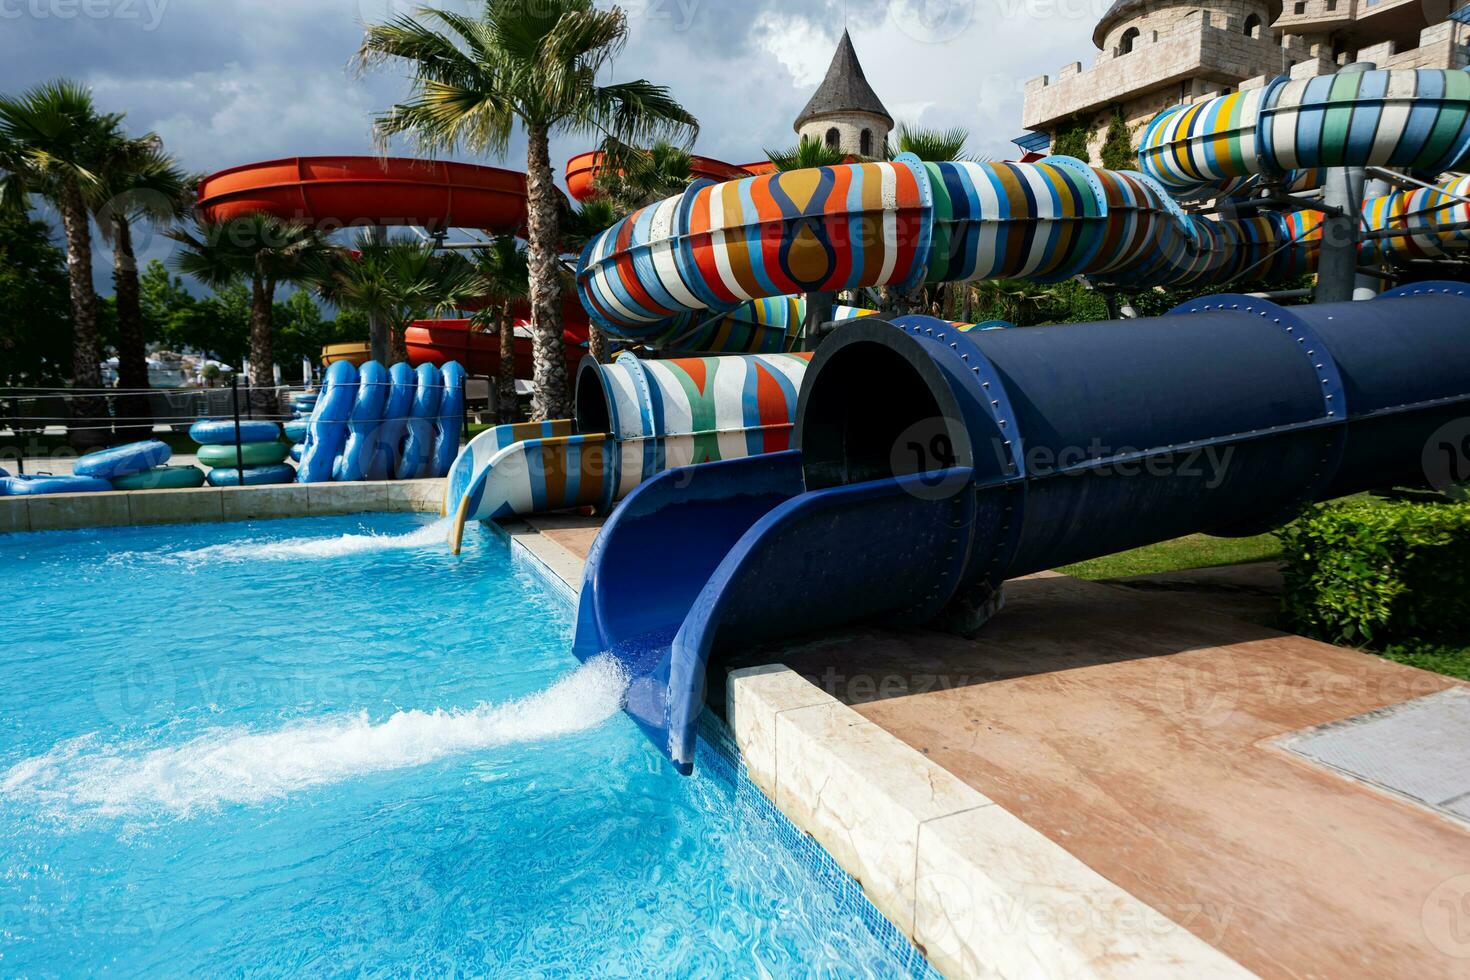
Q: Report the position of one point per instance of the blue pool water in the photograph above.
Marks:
(328, 746)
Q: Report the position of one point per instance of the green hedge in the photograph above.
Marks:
(1372, 573)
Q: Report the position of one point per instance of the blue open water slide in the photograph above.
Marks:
(996, 454)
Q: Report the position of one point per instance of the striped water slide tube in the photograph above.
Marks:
(635, 419)
(1416, 119)
(1427, 217)
(716, 246)
(650, 280)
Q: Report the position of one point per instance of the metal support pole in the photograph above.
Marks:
(1342, 191)
(818, 314)
(1368, 286)
(239, 450)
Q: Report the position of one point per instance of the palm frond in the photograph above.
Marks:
(931, 145)
(806, 154)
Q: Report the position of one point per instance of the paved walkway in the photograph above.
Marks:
(1143, 740)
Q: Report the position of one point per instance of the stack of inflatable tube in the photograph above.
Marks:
(635, 418)
(259, 459)
(376, 423)
(664, 272)
(302, 406)
(137, 466)
(1001, 453)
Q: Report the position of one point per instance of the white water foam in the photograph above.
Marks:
(78, 777)
(319, 547)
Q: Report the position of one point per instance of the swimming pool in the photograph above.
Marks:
(311, 746)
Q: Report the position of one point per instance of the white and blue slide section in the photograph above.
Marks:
(377, 423)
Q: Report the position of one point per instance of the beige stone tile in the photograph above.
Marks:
(14, 514)
(994, 894)
(416, 496)
(863, 794)
(62, 511)
(248, 503)
(754, 696)
(346, 498)
(193, 506)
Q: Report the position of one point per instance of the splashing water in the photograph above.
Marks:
(234, 765)
(333, 547)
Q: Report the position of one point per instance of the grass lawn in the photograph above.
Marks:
(1195, 551)
(1204, 551)
(1451, 660)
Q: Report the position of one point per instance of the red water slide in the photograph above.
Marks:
(433, 194)
(344, 191)
(582, 169)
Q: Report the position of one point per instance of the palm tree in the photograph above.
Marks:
(532, 64)
(633, 178)
(52, 141)
(930, 145)
(138, 181)
(806, 154)
(578, 229)
(264, 251)
(395, 280)
(504, 278)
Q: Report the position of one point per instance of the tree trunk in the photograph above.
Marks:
(397, 345)
(507, 410)
(86, 371)
(596, 343)
(380, 340)
(263, 398)
(132, 353)
(549, 399)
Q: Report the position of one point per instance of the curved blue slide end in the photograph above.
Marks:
(328, 432)
(363, 424)
(418, 447)
(450, 420)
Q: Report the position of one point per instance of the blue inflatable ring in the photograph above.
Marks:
(255, 476)
(296, 430)
(162, 478)
(107, 464)
(221, 432)
(31, 486)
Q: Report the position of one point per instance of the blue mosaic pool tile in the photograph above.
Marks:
(717, 758)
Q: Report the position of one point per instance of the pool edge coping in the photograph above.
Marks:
(973, 887)
(203, 505)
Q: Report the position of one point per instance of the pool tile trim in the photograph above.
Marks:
(561, 571)
(124, 508)
(973, 886)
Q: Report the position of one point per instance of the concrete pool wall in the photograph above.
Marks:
(69, 511)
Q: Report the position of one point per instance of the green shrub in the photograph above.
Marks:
(1117, 151)
(1379, 573)
(1072, 141)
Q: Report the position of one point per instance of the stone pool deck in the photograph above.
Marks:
(1102, 784)
(121, 508)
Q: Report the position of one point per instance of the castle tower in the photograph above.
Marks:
(845, 111)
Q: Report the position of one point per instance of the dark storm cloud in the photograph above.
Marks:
(232, 81)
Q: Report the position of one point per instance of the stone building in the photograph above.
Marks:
(1154, 54)
(845, 111)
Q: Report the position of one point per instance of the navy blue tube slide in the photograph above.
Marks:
(999, 453)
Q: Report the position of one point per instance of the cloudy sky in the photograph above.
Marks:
(226, 82)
